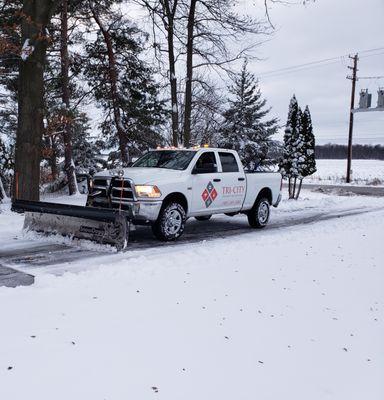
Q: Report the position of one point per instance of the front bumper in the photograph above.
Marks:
(146, 211)
(143, 211)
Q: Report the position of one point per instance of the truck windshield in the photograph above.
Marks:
(170, 159)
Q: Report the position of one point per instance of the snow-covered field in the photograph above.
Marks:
(289, 313)
(364, 172)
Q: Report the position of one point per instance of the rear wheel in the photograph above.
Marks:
(258, 216)
(170, 223)
(203, 218)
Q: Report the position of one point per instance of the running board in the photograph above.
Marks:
(100, 225)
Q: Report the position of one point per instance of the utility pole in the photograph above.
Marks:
(353, 78)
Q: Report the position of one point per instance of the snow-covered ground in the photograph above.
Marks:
(364, 172)
(288, 313)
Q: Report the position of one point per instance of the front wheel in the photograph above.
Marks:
(258, 216)
(170, 223)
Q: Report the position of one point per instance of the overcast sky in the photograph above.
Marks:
(323, 30)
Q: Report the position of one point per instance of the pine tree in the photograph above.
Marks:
(308, 165)
(6, 164)
(287, 164)
(307, 127)
(123, 85)
(10, 47)
(8, 125)
(67, 146)
(244, 128)
(298, 159)
(86, 150)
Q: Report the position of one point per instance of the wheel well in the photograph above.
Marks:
(265, 192)
(178, 197)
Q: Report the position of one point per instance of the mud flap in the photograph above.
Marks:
(105, 226)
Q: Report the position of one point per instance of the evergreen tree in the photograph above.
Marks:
(291, 134)
(306, 123)
(67, 146)
(123, 86)
(86, 150)
(298, 159)
(307, 164)
(6, 164)
(10, 48)
(244, 128)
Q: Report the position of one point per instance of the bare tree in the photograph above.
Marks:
(201, 34)
(206, 113)
(164, 18)
(213, 30)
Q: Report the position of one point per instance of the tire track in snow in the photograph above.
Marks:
(55, 258)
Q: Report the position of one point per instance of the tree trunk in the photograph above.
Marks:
(52, 155)
(69, 165)
(36, 15)
(113, 78)
(188, 83)
(289, 188)
(169, 26)
(299, 189)
(53, 160)
(3, 195)
(294, 188)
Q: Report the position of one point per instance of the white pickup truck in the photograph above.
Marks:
(165, 187)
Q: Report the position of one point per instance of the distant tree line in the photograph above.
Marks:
(359, 151)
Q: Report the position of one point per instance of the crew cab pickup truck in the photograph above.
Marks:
(165, 187)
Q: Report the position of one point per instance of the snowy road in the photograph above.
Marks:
(37, 256)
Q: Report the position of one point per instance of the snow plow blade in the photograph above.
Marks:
(100, 225)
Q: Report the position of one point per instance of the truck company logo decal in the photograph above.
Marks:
(209, 195)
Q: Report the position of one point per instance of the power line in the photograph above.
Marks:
(371, 77)
(323, 62)
(299, 69)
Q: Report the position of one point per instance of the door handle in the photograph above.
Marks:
(217, 180)
(241, 179)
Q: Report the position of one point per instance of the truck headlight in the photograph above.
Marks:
(147, 191)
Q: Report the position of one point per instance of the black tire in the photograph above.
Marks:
(258, 216)
(170, 223)
(203, 218)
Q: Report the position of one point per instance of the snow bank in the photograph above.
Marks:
(278, 314)
(366, 172)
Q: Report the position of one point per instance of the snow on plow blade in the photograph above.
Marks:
(105, 226)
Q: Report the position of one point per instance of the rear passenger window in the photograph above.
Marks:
(228, 162)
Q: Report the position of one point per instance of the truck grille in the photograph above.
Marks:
(102, 186)
(121, 190)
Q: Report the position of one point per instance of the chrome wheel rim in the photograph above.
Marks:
(173, 222)
(263, 213)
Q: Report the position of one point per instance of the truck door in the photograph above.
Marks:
(206, 185)
(233, 182)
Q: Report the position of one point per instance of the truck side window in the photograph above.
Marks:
(206, 163)
(228, 162)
